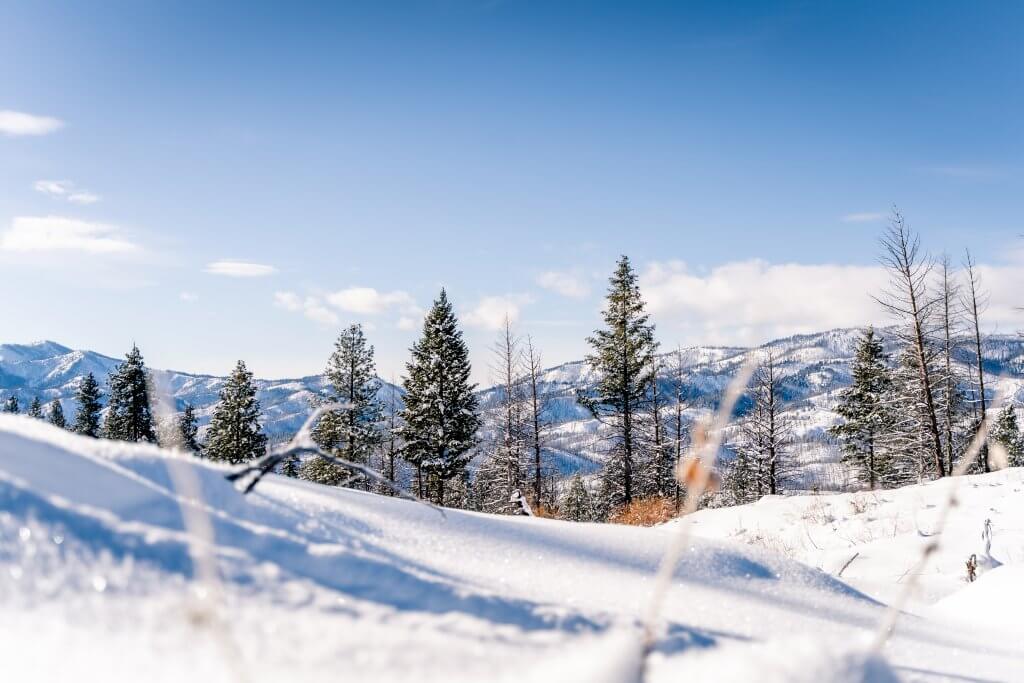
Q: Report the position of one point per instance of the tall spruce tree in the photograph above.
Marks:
(440, 412)
(11, 406)
(35, 409)
(129, 416)
(866, 413)
(622, 358)
(1006, 432)
(56, 416)
(87, 419)
(354, 431)
(235, 435)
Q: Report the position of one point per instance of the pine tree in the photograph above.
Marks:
(129, 416)
(761, 465)
(56, 416)
(391, 439)
(87, 419)
(188, 430)
(865, 411)
(235, 435)
(354, 431)
(440, 412)
(622, 359)
(1006, 432)
(537, 398)
(35, 409)
(577, 505)
(11, 406)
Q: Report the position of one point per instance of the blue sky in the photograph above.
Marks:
(743, 155)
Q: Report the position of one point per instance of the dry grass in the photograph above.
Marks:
(645, 512)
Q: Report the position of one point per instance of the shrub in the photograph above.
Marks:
(644, 512)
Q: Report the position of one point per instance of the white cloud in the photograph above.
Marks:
(53, 233)
(19, 123)
(572, 284)
(749, 302)
(231, 268)
(83, 197)
(368, 301)
(490, 311)
(188, 297)
(310, 306)
(65, 189)
(406, 323)
(864, 217)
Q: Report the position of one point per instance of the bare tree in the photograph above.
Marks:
(392, 435)
(909, 300)
(974, 302)
(951, 398)
(677, 426)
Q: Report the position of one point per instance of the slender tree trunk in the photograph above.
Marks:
(972, 308)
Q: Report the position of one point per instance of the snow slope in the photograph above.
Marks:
(883, 532)
(97, 583)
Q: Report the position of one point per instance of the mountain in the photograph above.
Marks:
(813, 368)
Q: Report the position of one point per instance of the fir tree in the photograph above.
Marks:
(440, 412)
(577, 505)
(622, 359)
(87, 419)
(865, 411)
(188, 430)
(129, 416)
(35, 409)
(761, 464)
(56, 416)
(354, 431)
(11, 406)
(235, 435)
(1006, 432)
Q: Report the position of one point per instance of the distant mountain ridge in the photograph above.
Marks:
(813, 367)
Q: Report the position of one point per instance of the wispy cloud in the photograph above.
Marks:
(56, 233)
(572, 284)
(188, 297)
(311, 307)
(17, 123)
(230, 268)
(369, 301)
(864, 217)
(65, 189)
(490, 312)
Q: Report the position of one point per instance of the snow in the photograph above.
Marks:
(98, 581)
(995, 601)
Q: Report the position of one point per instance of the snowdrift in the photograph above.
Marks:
(99, 581)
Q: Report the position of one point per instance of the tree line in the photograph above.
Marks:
(901, 420)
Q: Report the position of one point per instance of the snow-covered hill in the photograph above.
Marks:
(813, 367)
(98, 581)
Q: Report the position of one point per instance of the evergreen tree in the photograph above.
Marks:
(129, 416)
(188, 430)
(11, 406)
(622, 359)
(577, 505)
(57, 415)
(352, 432)
(291, 467)
(235, 435)
(761, 465)
(866, 413)
(1006, 432)
(87, 419)
(440, 412)
(35, 409)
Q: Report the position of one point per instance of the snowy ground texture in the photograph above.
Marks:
(97, 582)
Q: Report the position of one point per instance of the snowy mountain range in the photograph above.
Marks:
(812, 366)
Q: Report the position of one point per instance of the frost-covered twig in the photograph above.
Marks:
(696, 472)
(303, 444)
(892, 615)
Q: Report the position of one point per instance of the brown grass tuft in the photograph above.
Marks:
(644, 512)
